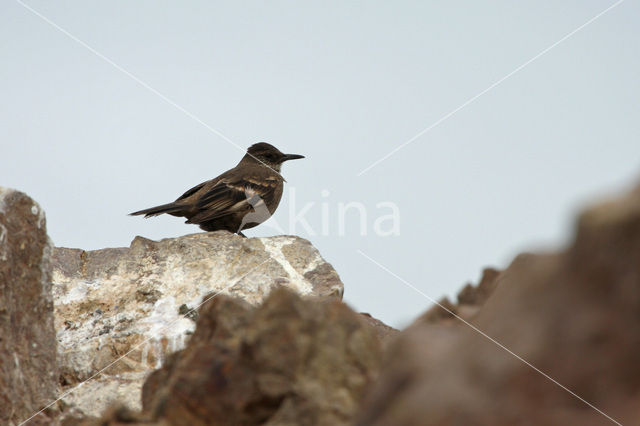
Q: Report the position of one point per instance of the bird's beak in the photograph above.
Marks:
(288, 157)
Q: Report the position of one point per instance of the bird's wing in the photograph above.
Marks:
(191, 191)
(230, 196)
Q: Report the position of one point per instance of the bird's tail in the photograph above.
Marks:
(158, 210)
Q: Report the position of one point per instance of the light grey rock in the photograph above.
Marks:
(120, 311)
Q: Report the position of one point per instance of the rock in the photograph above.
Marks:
(443, 310)
(383, 331)
(476, 296)
(289, 361)
(28, 369)
(470, 299)
(126, 309)
(574, 315)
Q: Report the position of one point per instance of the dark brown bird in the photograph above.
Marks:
(238, 199)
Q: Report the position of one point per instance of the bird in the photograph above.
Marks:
(240, 198)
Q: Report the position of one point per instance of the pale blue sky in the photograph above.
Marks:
(343, 83)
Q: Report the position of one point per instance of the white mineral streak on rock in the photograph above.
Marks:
(164, 324)
(3, 242)
(314, 263)
(131, 302)
(75, 294)
(295, 278)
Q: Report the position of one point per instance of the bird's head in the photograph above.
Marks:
(268, 155)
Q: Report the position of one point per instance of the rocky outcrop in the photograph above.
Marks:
(573, 315)
(289, 361)
(553, 339)
(120, 312)
(470, 299)
(383, 331)
(28, 370)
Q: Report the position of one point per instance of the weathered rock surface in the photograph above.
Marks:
(289, 361)
(470, 299)
(384, 332)
(574, 315)
(120, 313)
(136, 305)
(28, 370)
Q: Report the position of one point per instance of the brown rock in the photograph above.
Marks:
(290, 361)
(383, 331)
(28, 370)
(443, 310)
(573, 315)
(470, 299)
(479, 294)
